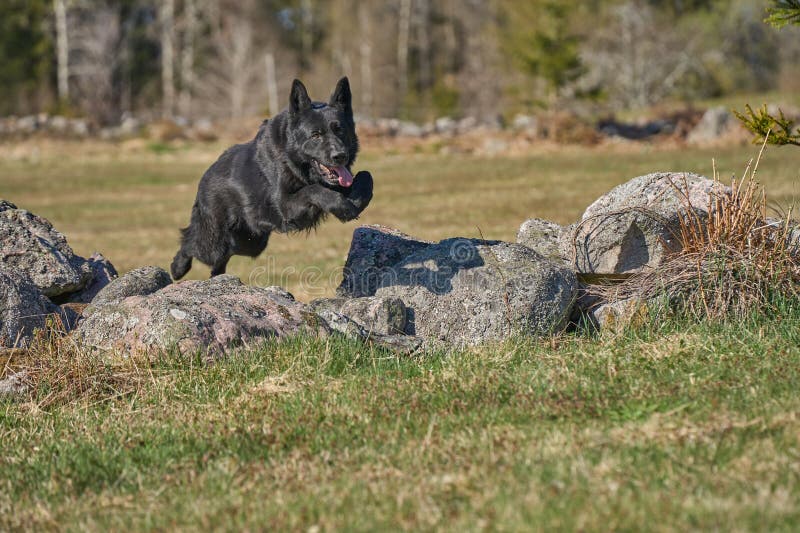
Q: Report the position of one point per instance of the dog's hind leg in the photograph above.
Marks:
(219, 266)
(180, 265)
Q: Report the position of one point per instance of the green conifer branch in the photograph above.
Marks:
(777, 130)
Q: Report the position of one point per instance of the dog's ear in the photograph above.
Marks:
(299, 100)
(342, 97)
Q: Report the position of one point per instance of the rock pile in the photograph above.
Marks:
(397, 291)
(38, 273)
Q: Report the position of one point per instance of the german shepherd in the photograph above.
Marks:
(288, 178)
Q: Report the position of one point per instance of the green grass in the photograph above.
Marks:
(129, 204)
(671, 427)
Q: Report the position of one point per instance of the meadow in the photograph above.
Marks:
(128, 203)
(671, 426)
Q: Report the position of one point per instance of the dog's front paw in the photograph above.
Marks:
(360, 192)
(346, 210)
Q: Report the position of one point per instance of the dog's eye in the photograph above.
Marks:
(335, 127)
(316, 134)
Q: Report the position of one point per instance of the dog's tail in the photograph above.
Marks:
(180, 265)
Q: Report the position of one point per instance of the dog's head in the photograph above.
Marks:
(323, 135)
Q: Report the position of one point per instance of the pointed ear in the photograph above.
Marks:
(299, 100)
(342, 97)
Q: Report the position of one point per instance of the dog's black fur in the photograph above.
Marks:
(276, 182)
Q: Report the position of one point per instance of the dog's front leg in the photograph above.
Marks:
(326, 199)
(360, 193)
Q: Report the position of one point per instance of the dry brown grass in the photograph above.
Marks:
(55, 371)
(733, 262)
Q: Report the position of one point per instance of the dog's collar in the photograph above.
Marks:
(318, 105)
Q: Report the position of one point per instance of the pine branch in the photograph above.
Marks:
(777, 130)
(783, 13)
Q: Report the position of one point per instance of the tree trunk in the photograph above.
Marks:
(272, 85)
(402, 49)
(424, 44)
(167, 16)
(307, 35)
(62, 50)
(187, 58)
(365, 52)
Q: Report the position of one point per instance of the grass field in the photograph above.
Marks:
(129, 204)
(670, 427)
(680, 427)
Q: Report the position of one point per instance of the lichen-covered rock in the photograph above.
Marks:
(208, 316)
(544, 237)
(29, 245)
(618, 315)
(14, 386)
(405, 344)
(636, 224)
(138, 282)
(372, 249)
(384, 316)
(23, 309)
(103, 273)
(461, 291)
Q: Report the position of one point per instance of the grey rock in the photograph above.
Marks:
(79, 127)
(103, 273)
(27, 124)
(543, 237)
(208, 316)
(715, 123)
(31, 246)
(14, 386)
(409, 129)
(636, 224)
(373, 249)
(23, 309)
(618, 315)
(138, 282)
(526, 123)
(384, 316)
(59, 124)
(461, 291)
(446, 125)
(342, 324)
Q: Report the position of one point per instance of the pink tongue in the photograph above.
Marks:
(345, 178)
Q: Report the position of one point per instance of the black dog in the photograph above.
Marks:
(295, 171)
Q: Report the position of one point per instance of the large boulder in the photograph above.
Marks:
(461, 291)
(31, 246)
(208, 316)
(138, 282)
(372, 249)
(23, 309)
(636, 224)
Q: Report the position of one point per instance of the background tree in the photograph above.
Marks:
(775, 129)
(542, 37)
(25, 52)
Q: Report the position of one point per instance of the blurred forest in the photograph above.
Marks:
(412, 59)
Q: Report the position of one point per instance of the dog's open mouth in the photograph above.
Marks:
(338, 175)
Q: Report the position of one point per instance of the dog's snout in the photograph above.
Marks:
(340, 158)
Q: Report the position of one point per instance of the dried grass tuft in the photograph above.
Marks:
(730, 264)
(56, 371)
